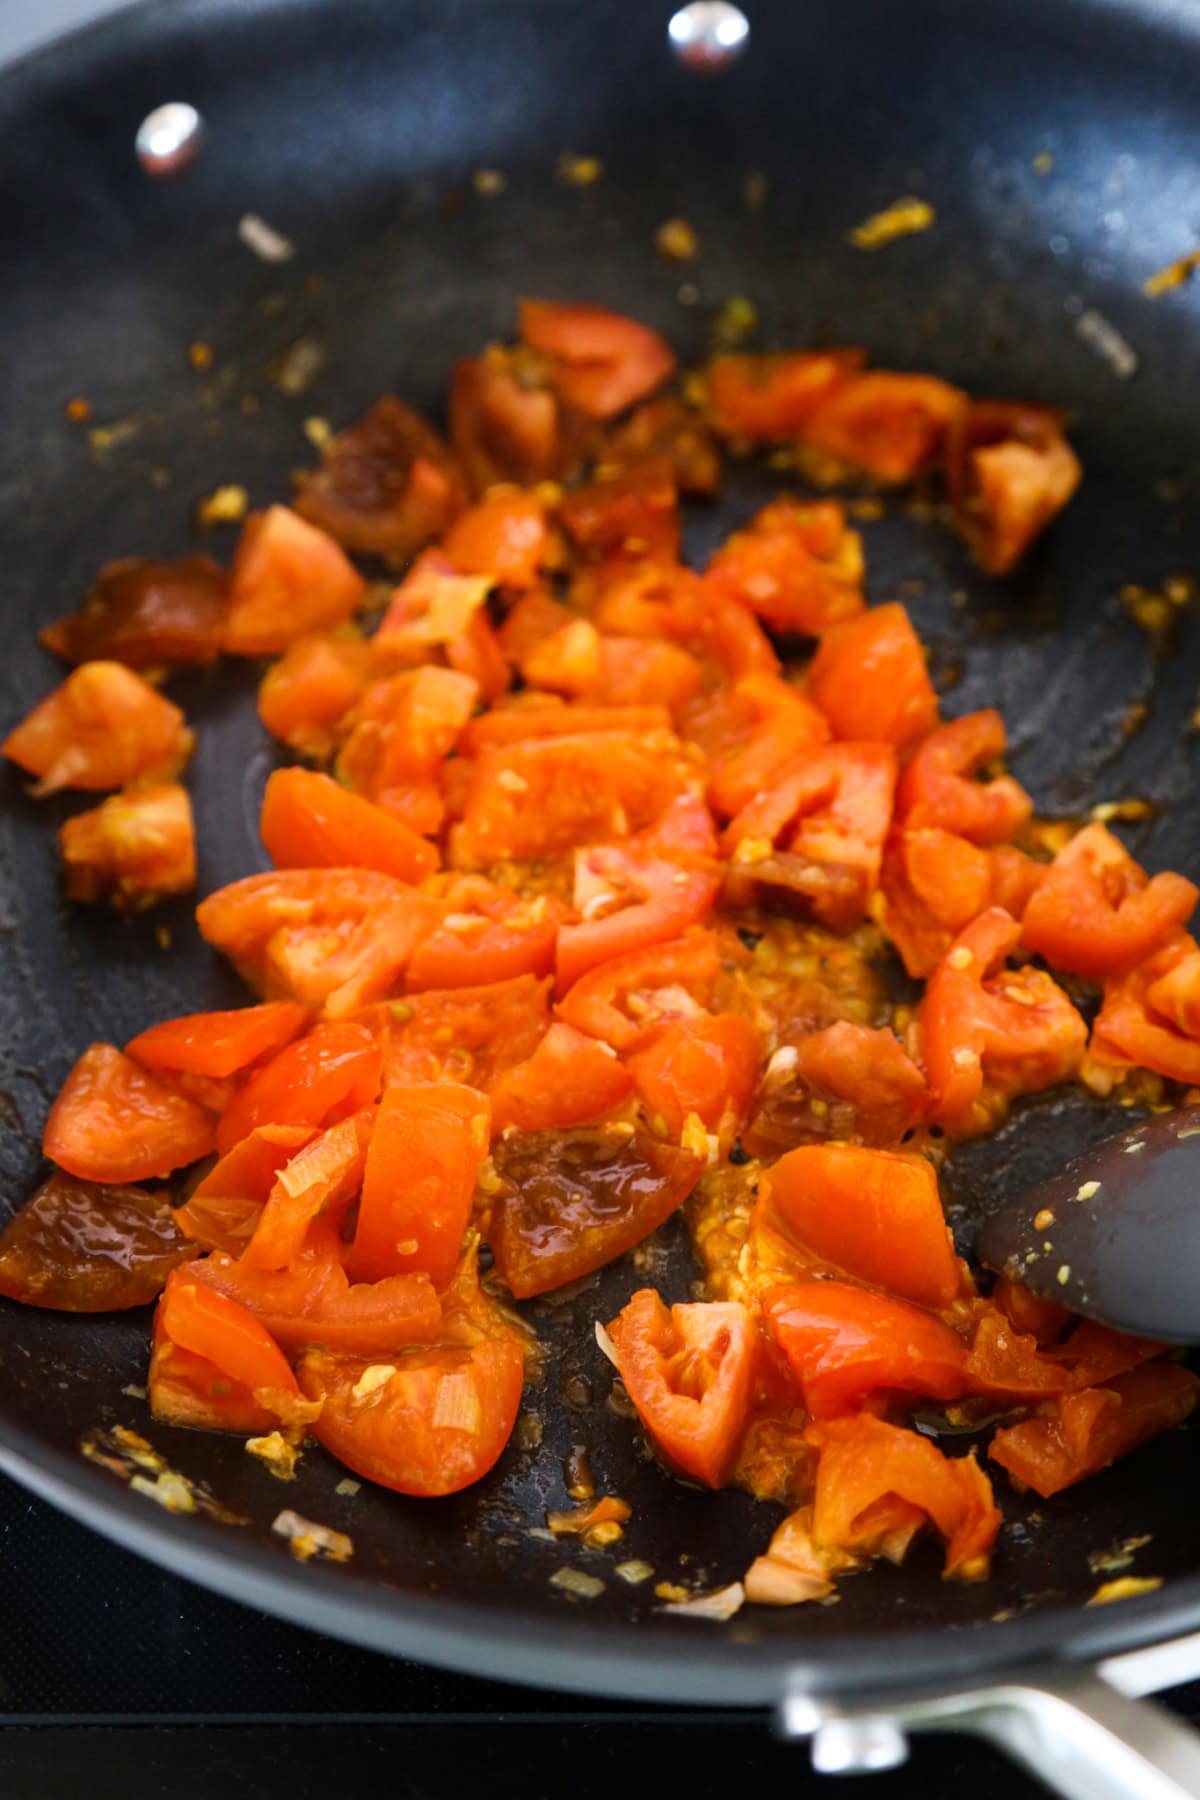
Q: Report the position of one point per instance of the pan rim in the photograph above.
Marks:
(620, 1662)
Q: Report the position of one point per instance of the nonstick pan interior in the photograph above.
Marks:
(356, 131)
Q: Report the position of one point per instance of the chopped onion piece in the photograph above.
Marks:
(607, 1347)
(722, 1603)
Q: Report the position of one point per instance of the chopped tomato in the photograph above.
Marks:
(637, 672)
(623, 1000)
(932, 885)
(1029, 1314)
(491, 935)
(462, 1034)
(224, 1207)
(751, 732)
(311, 688)
(845, 1081)
(403, 727)
(433, 607)
(76, 1246)
(936, 787)
(1095, 913)
(601, 362)
(506, 424)
(887, 425)
(503, 536)
(323, 1077)
(242, 918)
(705, 1066)
(309, 822)
(570, 1201)
(384, 486)
(870, 680)
(535, 615)
(136, 847)
(428, 1423)
(104, 727)
(689, 1371)
(320, 1180)
(770, 398)
(872, 1476)
(987, 1032)
(147, 614)
(1009, 471)
(569, 1080)
(314, 1301)
(845, 1343)
(288, 579)
(1007, 1364)
(214, 1366)
(539, 797)
(873, 1214)
(420, 1176)
(629, 513)
(1151, 1014)
(629, 899)
(665, 427)
(114, 1123)
(1076, 1435)
(828, 816)
(798, 565)
(355, 961)
(548, 719)
(218, 1044)
(655, 597)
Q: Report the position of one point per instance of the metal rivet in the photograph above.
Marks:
(708, 35)
(169, 138)
(858, 1746)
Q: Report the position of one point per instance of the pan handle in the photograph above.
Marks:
(1085, 1732)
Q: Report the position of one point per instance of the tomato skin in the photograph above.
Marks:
(867, 1085)
(569, 1080)
(828, 815)
(689, 1371)
(322, 1077)
(887, 425)
(146, 614)
(314, 684)
(113, 1123)
(936, 788)
(665, 900)
(979, 1023)
(799, 567)
(308, 821)
(420, 1173)
(1009, 471)
(1095, 913)
(288, 579)
(844, 1343)
(1151, 1014)
(218, 1044)
(1076, 1435)
(75, 1246)
(103, 728)
(751, 732)
(770, 398)
(870, 1478)
(216, 1367)
(597, 1002)
(873, 1214)
(571, 1201)
(489, 935)
(870, 679)
(504, 536)
(705, 1066)
(314, 1303)
(385, 485)
(136, 848)
(601, 361)
(391, 1433)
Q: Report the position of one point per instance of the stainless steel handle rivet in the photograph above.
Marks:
(858, 1746)
(169, 138)
(708, 35)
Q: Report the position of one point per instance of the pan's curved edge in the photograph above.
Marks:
(608, 1662)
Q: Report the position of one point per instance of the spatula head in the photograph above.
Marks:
(1116, 1235)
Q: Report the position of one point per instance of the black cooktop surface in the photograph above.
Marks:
(116, 1678)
